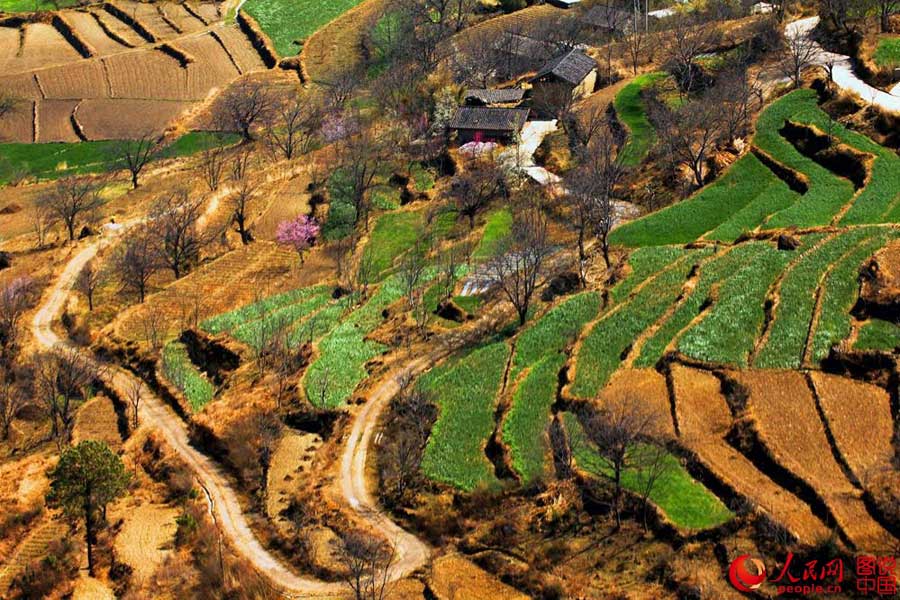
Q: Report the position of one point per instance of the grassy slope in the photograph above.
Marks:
(685, 502)
(878, 335)
(497, 227)
(887, 53)
(466, 394)
(393, 234)
(286, 21)
(52, 160)
(631, 111)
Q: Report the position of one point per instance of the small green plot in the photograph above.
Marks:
(183, 374)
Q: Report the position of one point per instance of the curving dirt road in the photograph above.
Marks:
(411, 553)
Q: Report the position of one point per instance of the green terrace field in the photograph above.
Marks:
(878, 335)
(749, 196)
(16, 6)
(181, 372)
(53, 160)
(289, 21)
(887, 53)
(684, 501)
(632, 113)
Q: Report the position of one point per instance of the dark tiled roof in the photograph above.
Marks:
(522, 45)
(572, 67)
(489, 119)
(496, 96)
(608, 17)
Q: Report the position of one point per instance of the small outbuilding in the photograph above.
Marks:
(509, 97)
(487, 124)
(570, 76)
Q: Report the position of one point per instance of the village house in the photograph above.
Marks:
(570, 76)
(487, 124)
(507, 98)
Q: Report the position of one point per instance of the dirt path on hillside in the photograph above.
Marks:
(411, 552)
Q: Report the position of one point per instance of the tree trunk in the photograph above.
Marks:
(70, 225)
(617, 496)
(90, 299)
(134, 180)
(581, 258)
(604, 245)
(89, 532)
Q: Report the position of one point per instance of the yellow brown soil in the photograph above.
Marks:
(97, 420)
(455, 578)
(789, 426)
(146, 536)
(704, 420)
(89, 588)
(859, 416)
(290, 461)
(646, 385)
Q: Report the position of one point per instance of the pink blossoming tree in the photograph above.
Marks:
(299, 234)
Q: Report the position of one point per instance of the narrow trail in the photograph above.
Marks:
(411, 553)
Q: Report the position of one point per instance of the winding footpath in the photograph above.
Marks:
(410, 552)
(842, 72)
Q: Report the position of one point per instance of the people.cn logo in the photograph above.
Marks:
(742, 578)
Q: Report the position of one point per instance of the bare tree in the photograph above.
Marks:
(72, 199)
(886, 8)
(591, 193)
(360, 159)
(799, 53)
(639, 45)
(12, 399)
(135, 154)
(689, 133)
(737, 97)
(366, 562)
(137, 261)
(242, 107)
(62, 377)
(406, 433)
(43, 218)
(133, 395)
(212, 165)
(619, 430)
(687, 40)
(472, 190)
(89, 280)
(651, 462)
(267, 432)
(179, 239)
(294, 125)
(518, 265)
(240, 202)
(365, 274)
(242, 163)
(14, 301)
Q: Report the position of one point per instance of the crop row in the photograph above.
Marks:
(181, 372)
(255, 333)
(603, 346)
(839, 294)
(788, 331)
(744, 184)
(712, 272)
(730, 329)
(827, 192)
(642, 264)
(234, 319)
(465, 393)
(684, 501)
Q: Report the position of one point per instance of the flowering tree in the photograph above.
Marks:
(299, 234)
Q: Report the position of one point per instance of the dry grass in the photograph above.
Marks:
(455, 578)
(97, 420)
(859, 415)
(334, 49)
(704, 419)
(788, 424)
(645, 385)
(146, 536)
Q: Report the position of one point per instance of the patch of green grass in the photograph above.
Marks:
(393, 234)
(787, 335)
(554, 330)
(470, 304)
(876, 334)
(257, 332)
(178, 369)
(827, 192)
(840, 292)
(729, 330)
(466, 396)
(232, 319)
(386, 198)
(497, 227)
(602, 348)
(631, 111)
(774, 197)
(344, 350)
(288, 21)
(385, 36)
(423, 178)
(887, 53)
(54, 160)
(643, 263)
(712, 272)
(746, 181)
(684, 501)
(341, 211)
(525, 426)
(21, 6)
